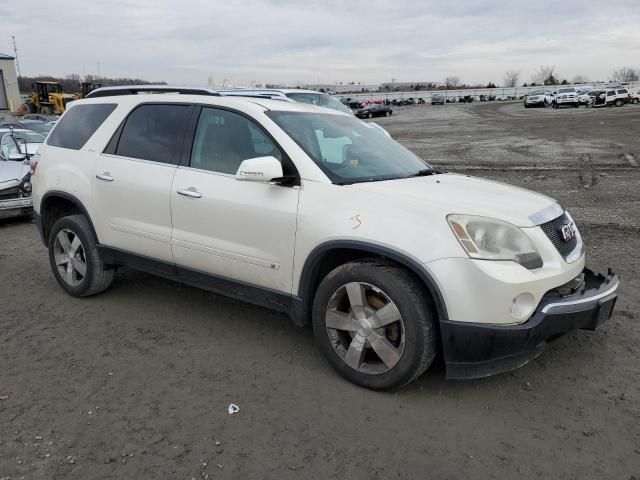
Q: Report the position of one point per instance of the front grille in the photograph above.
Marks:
(553, 230)
(9, 193)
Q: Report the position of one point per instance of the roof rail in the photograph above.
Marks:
(142, 89)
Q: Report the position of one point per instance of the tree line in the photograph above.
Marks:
(71, 83)
(546, 75)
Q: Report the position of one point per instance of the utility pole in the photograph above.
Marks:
(15, 52)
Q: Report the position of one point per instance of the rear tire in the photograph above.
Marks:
(75, 259)
(385, 357)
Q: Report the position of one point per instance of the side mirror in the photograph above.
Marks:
(17, 156)
(261, 169)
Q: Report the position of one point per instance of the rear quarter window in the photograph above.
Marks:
(79, 124)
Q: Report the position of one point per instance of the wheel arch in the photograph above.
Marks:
(326, 256)
(56, 204)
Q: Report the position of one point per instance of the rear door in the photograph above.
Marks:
(132, 181)
(244, 231)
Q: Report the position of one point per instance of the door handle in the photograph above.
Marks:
(106, 176)
(190, 192)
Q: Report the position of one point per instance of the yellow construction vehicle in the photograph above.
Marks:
(85, 89)
(47, 98)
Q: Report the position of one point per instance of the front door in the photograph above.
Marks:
(243, 231)
(132, 182)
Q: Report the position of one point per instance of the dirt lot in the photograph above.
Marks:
(135, 383)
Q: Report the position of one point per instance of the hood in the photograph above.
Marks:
(12, 173)
(453, 193)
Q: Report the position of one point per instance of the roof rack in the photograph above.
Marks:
(142, 89)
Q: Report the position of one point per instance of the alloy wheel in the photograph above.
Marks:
(70, 258)
(365, 328)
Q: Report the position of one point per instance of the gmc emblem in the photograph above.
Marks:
(568, 231)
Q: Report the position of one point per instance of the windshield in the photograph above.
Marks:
(347, 149)
(28, 137)
(39, 127)
(536, 93)
(566, 90)
(319, 99)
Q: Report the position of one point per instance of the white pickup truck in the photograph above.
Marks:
(565, 96)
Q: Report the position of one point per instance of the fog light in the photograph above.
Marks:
(523, 306)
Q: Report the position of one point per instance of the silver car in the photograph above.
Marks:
(16, 148)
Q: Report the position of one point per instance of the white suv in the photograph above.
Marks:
(317, 214)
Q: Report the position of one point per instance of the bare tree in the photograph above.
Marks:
(452, 81)
(545, 75)
(511, 78)
(580, 79)
(625, 74)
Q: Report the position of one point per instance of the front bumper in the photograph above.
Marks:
(475, 350)
(16, 207)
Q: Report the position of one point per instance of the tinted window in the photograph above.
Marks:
(622, 90)
(154, 132)
(224, 139)
(78, 124)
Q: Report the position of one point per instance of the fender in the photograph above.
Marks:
(56, 193)
(312, 263)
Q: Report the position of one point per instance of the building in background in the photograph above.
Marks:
(9, 93)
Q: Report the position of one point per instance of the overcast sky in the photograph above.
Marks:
(369, 41)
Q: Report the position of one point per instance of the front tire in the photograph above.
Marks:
(619, 103)
(374, 324)
(75, 259)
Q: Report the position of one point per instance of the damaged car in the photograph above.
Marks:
(16, 148)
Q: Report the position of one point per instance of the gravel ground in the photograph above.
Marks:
(136, 382)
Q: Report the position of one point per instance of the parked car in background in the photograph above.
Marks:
(310, 97)
(374, 110)
(437, 99)
(565, 96)
(15, 179)
(587, 98)
(617, 96)
(319, 215)
(40, 117)
(466, 99)
(539, 98)
(19, 141)
(33, 125)
(635, 97)
(622, 96)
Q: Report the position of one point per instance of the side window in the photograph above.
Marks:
(224, 139)
(622, 90)
(154, 132)
(78, 124)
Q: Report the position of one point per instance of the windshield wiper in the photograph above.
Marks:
(425, 172)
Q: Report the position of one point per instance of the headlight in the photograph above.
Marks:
(490, 239)
(25, 185)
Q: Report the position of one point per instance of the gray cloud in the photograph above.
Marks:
(284, 40)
